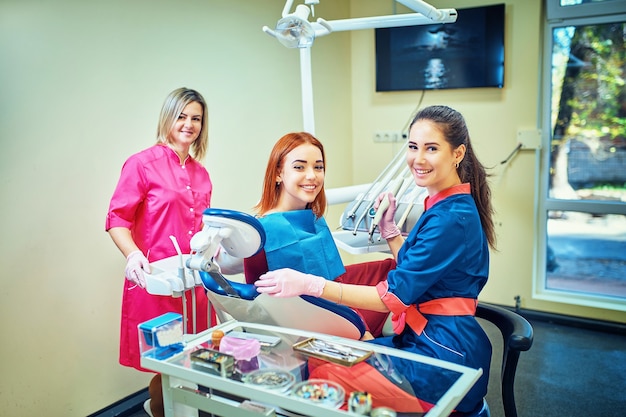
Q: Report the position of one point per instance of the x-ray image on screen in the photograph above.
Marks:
(465, 54)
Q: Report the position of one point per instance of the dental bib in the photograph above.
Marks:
(297, 240)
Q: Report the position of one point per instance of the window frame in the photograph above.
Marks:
(554, 10)
(545, 203)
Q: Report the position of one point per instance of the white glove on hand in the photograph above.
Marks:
(136, 264)
(290, 283)
(387, 225)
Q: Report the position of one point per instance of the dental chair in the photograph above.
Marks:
(242, 236)
(242, 302)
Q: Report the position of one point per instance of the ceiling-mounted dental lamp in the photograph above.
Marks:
(295, 31)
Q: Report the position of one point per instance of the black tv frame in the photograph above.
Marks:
(466, 54)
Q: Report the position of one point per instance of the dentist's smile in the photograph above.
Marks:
(422, 171)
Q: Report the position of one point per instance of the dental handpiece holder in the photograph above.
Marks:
(237, 233)
(168, 277)
(359, 223)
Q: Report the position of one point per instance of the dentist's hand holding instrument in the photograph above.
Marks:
(385, 207)
(382, 206)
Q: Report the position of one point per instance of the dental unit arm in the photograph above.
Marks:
(165, 278)
(204, 245)
(242, 236)
(238, 234)
(234, 232)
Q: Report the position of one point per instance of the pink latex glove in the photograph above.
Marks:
(136, 264)
(288, 282)
(387, 225)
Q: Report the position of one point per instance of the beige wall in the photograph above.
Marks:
(81, 85)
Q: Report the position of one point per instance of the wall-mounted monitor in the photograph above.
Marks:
(466, 54)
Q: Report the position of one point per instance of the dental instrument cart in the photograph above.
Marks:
(229, 396)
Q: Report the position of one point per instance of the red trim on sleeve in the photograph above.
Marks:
(393, 303)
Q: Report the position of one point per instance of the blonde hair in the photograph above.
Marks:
(173, 106)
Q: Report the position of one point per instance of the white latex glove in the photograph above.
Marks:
(136, 264)
(387, 225)
(288, 282)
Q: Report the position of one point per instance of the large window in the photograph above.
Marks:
(582, 219)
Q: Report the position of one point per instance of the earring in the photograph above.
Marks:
(278, 183)
(456, 165)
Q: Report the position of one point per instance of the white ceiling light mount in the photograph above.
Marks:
(295, 31)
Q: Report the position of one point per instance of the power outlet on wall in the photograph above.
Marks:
(388, 136)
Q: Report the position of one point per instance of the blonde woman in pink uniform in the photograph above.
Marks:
(162, 191)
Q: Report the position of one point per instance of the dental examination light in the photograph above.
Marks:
(294, 30)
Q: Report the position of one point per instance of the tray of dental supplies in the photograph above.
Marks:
(332, 351)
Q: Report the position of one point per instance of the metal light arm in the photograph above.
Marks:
(431, 12)
(410, 19)
(295, 31)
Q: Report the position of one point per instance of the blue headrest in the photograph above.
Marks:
(248, 235)
(245, 291)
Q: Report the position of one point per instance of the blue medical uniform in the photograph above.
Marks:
(446, 255)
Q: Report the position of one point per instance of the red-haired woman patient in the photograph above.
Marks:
(291, 211)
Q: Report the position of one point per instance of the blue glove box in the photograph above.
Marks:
(162, 336)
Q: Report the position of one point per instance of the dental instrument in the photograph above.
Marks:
(384, 205)
(356, 234)
(415, 194)
(181, 275)
(377, 188)
(351, 214)
(406, 183)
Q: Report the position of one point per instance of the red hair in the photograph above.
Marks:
(271, 191)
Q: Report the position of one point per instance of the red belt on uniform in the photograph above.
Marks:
(414, 314)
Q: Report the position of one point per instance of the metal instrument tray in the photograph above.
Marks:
(331, 351)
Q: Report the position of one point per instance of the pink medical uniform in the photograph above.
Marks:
(157, 197)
